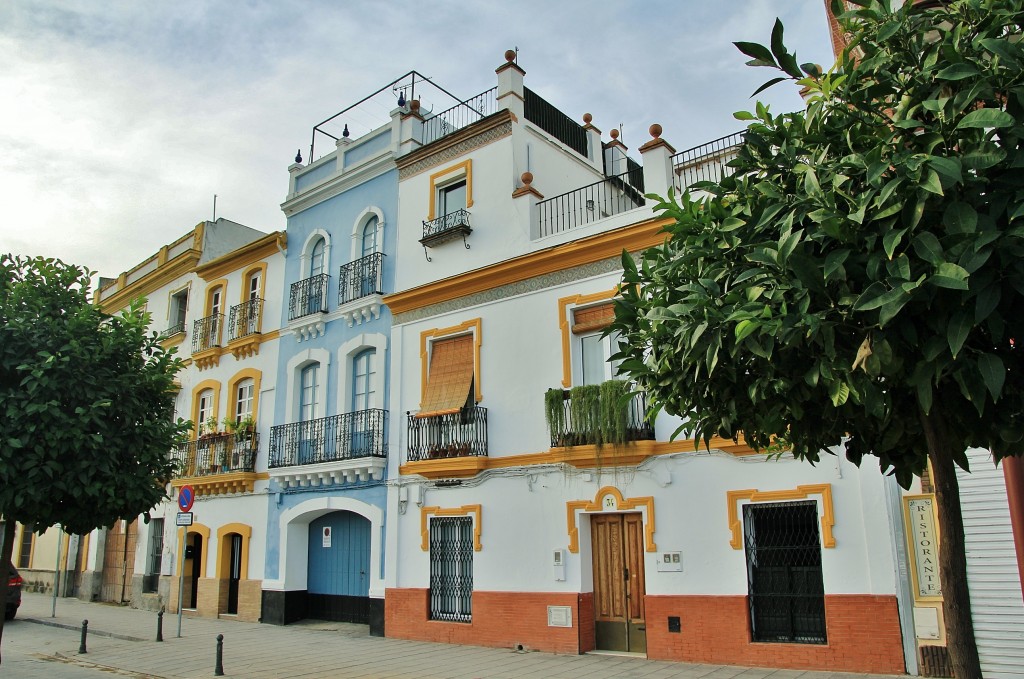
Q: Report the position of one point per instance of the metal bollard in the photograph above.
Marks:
(85, 630)
(218, 670)
(160, 625)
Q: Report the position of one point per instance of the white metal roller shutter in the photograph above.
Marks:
(996, 602)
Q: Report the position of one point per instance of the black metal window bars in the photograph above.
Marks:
(329, 439)
(308, 296)
(217, 454)
(784, 580)
(206, 332)
(451, 568)
(360, 278)
(706, 162)
(460, 434)
(610, 196)
(244, 318)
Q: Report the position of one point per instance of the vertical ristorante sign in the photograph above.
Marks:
(925, 545)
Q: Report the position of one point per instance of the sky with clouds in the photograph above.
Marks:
(121, 119)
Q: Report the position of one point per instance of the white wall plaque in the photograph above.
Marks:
(559, 616)
(925, 545)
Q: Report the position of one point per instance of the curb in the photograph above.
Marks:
(78, 628)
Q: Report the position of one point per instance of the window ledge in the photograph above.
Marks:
(222, 484)
(244, 347)
(331, 473)
(362, 310)
(207, 358)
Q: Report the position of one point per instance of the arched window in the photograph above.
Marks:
(253, 285)
(363, 369)
(308, 392)
(244, 392)
(370, 236)
(204, 411)
(317, 263)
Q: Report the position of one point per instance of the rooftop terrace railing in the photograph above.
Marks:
(610, 196)
(705, 163)
(464, 113)
(548, 118)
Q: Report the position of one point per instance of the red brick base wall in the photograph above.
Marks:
(863, 635)
(501, 619)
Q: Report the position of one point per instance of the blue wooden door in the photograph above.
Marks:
(338, 584)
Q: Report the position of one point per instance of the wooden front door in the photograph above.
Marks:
(618, 554)
(119, 561)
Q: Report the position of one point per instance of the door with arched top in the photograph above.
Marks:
(338, 581)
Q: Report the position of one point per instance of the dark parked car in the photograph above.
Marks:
(13, 594)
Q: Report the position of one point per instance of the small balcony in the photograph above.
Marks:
(705, 163)
(244, 319)
(459, 434)
(308, 297)
(597, 415)
(335, 449)
(445, 228)
(206, 333)
(360, 286)
(600, 200)
(214, 454)
(175, 329)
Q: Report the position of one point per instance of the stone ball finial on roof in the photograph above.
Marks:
(414, 105)
(614, 133)
(587, 118)
(655, 130)
(510, 55)
(527, 178)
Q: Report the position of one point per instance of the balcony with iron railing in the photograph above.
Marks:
(592, 415)
(244, 319)
(579, 207)
(445, 228)
(360, 288)
(706, 162)
(340, 448)
(175, 329)
(206, 333)
(206, 460)
(308, 297)
(449, 435)
(440, 125)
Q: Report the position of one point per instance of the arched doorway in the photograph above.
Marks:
(338, 579)
(193, 569)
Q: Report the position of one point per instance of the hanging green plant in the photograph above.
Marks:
(585, 413)
(554, 413)
(614, 412)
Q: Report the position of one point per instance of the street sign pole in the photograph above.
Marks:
(181, 578)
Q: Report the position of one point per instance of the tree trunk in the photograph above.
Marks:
(956, 595)
(6, 551)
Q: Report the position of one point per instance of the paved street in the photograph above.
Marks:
(121, 643)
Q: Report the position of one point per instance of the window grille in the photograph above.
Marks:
(150, 582)
(786, 590)
(25, 553)
(451, 568)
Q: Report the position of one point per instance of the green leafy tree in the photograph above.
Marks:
(859, 278)
(86, 404)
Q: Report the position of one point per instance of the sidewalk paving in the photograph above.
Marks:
(124, 639)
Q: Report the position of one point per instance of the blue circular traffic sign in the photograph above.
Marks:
(186, 496)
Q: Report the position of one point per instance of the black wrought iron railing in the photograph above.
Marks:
(173, 330)
(706, 162)
(244, 318)
(610, 196)
(597, 421)
(217, 454)
(360, 278)
(308, 296)
(460, 434)
(446, 227)
(465, 113)
(206, 332)
(330, 439)
(548, 118)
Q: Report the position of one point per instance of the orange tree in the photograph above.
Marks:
(859, 278)
(86, 405)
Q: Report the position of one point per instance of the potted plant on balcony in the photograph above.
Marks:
(554, 415)
(244, 428)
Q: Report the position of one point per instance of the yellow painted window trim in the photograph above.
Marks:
(203, 531)
(214, 385)
(211, 288)
(448, 175)
(464, 510)
(609, 500)
(799, 493)
(171, 293)
(566, 326)
(257, 376)
(224, 550)
(475, 325)
(261, 269)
